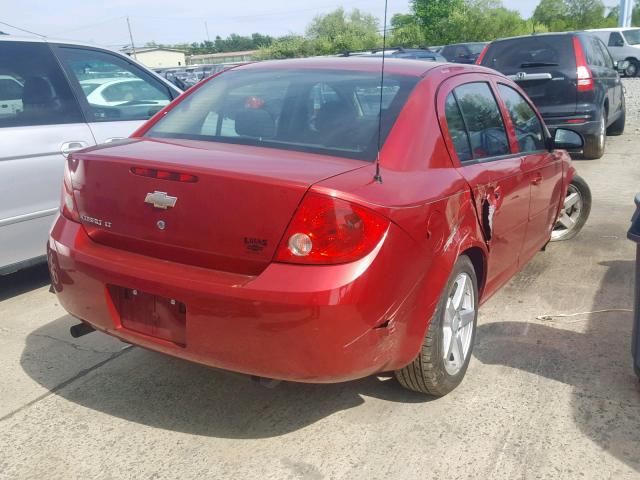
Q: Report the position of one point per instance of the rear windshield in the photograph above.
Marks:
(632, 36)
(545, 51)
(318, 111)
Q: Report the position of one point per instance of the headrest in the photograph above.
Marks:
(37, 90)
(255, 122)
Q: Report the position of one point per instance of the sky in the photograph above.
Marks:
(171, 21)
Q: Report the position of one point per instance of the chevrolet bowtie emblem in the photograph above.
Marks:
(161, 200)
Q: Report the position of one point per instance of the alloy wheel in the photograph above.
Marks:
(571, 211)
(458, 324)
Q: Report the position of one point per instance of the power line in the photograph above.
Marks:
(22, 29)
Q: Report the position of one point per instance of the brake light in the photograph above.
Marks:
(164, 174)
(482, 54)
(327, 230)
(67, 203)
(585, 78)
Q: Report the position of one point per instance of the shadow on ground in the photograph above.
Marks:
(23, 281)
(168, 393)
(595, 361)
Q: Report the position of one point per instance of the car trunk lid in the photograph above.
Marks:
(219, 206)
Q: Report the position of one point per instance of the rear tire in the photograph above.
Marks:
(575, 211)
(617, 127)
(436, 371)
(594, 144)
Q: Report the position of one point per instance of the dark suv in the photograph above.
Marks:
(571, 78)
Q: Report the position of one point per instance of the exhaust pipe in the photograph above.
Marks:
(81, 330)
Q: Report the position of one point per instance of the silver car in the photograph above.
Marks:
(623, 44)
(55, 98)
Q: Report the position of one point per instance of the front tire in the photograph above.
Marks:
(594, 144)
(446, 350)
(575, 211)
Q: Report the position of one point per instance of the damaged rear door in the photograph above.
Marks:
(486, 159)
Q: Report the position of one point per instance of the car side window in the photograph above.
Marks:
(115, 90)
(457, 129)
(616, 40)
(529, 131)
(593, 53)
(33, 89)
(608, 61)
(483, 120)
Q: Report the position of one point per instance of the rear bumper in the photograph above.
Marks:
(301, 323)
(583, 124)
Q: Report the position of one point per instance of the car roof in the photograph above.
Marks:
(363, 63)
(613, 29)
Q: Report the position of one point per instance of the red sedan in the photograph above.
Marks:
(268, 223)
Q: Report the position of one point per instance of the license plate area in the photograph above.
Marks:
(159, 317)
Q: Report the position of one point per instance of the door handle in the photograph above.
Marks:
(113, 139)
(537, 179)
(68, 148)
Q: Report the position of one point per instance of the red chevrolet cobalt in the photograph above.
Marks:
(298, 220)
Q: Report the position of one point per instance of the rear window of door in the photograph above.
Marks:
(33, 89)
(592, 51)
(114, 89)
(529, 131)
(483, 121)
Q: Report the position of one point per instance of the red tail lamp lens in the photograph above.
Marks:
(327, 230)
(164, 174)
(584, 76)
(67, 202)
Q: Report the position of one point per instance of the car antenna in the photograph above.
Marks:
(377, 177)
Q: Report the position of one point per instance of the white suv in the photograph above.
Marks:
(623, 44)
(47, 110)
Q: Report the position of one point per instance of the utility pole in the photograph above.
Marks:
(626, 11)
(133, 47)
(206, 27)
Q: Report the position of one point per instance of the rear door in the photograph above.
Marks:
(40, 122)
(485, 157)
(116, 94)
(544, 66)
(542, 168)
(610, 73)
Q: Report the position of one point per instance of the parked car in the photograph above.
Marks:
(624, 45)
(249, 230)
(463, 52)
(46, 114)
(408, 53)
(571, 78)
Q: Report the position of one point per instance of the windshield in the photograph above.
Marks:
(632, 36)
(318, 111)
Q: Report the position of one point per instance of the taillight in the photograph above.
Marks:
(482, 54)
(67, 203)
(585, 78)
(327, 230)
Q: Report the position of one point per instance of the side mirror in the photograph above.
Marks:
(564, 139)
(622, 65)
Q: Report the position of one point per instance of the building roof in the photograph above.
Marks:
(225, 54)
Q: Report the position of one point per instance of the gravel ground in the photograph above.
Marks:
(632, 96)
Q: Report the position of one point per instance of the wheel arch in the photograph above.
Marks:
(479, 260)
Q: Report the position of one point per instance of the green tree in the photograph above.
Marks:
(483, 20)
(339, 31)
(552, 13)
(583, 14)
(434, 18)
(405, 31)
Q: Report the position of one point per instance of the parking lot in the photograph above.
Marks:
(542, 398)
